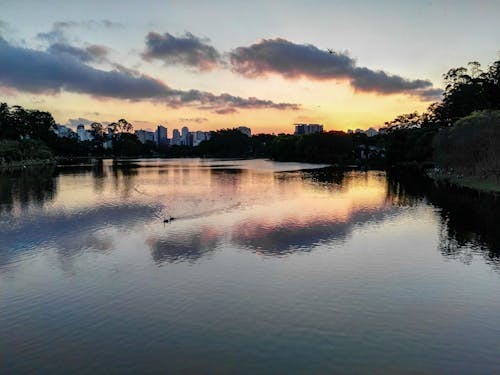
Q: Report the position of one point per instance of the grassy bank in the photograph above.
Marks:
(478, 183)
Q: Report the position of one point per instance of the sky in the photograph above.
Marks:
(218, 64)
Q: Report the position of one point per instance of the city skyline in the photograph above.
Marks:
(210, 67)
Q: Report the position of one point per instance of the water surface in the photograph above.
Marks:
(267, 268)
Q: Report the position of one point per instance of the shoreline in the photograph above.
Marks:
(478, 184)
(20, 165)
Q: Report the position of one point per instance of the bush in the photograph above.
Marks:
(472, 145)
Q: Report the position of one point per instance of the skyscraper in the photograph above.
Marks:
(185, 136)
(176, 137)
(161, 135)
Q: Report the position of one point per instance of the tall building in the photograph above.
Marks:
(82, 134)
(161, 135)
(245, 130)
(63, 131)
(303, 129)
(185, 136)
(176, 137)
(145, 135)
(200, 136)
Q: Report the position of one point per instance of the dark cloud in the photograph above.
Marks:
(94, 52)
(184, 50)
(225, 111)
(431, 94)
(197, 120)
(292, 61)
(37, 71)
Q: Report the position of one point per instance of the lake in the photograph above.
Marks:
(267, 268)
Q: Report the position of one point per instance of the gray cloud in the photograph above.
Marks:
(90, 53)
(186, 50)
(293, 61)
(58, 31)
(197, 120)
(37, 71)
(3, 25)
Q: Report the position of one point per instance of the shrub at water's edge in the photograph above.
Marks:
(24, 153)
(468, 153)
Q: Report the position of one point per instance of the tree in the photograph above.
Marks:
(97, 131)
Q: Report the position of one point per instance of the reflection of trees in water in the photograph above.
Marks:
(26, 187)
(124, 175)
(469, 220)
(329, 175)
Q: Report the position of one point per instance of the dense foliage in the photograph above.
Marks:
(472, 145)
(410, 137)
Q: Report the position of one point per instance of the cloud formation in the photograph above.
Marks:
(188, 50)
(292, 61)
(58, 33)
(91, 53)
(197, 120)
(37, 71)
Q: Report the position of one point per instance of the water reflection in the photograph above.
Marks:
(252, 205)
(469, 221)
(182, 247)
(21, 189)
(266, 266)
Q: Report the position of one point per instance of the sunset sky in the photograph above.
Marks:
(217, 64)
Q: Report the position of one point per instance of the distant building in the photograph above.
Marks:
(83, 135)
(176, 137)
(185, 136)
(303, 129)
(371, 132)
(200, 136)
(80, 131)
(145, 135)
(161, 135)
(63, 131)
(245, 130)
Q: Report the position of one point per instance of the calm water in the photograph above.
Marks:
(269, 268)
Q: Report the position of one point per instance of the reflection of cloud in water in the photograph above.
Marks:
(179, 247)
(68, 233)
(272, 239)
(284, 238)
